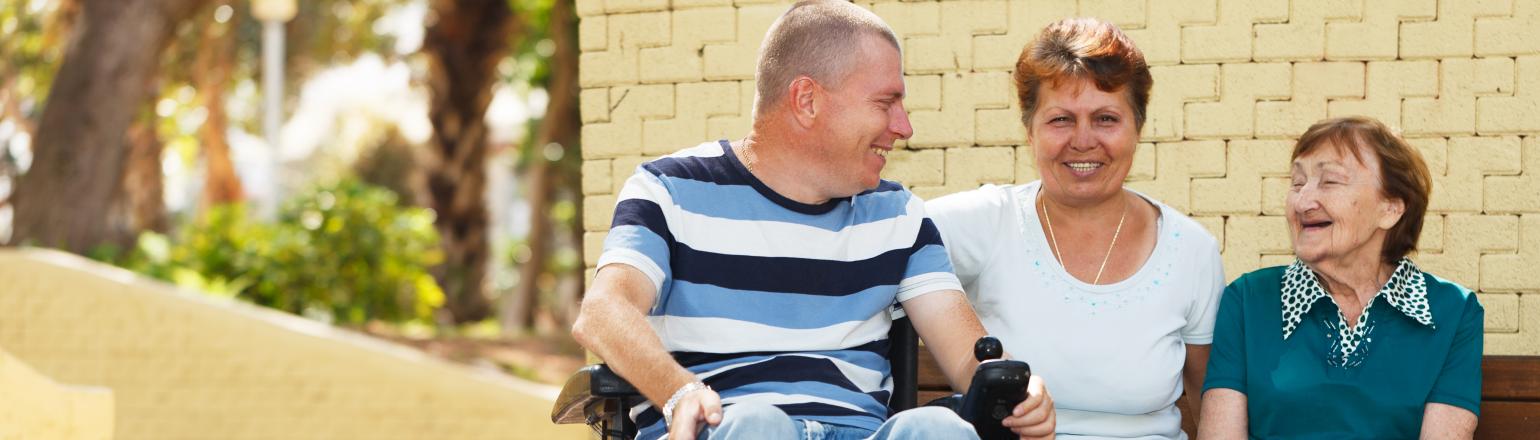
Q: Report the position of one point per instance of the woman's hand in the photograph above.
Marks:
(1033, 418)
(702, 405)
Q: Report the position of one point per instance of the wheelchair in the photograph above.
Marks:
(600, 398)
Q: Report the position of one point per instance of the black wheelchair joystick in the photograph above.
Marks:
(998, 386)
(988, 348)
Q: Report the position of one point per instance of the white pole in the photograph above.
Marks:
(272, 82)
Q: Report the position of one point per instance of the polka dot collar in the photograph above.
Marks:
(1406, 291)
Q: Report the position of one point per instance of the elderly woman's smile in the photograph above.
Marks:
(1336, 207)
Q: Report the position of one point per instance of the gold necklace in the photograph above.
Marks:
(1060, 255)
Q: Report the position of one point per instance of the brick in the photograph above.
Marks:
(687, 4)
(1502, 311)
(1466, 238)
(670, 65)
(1518, 113)
(622, 168)
(1143, 168)
(1314, 84)
(1240, 190)
(1514, 194)
(915, 167)
(1434, 151)
(593, 247)
(1453, 112)
(652, 29)
(1515, 35)
(608, 68)
(1452, 34)
(624, 6)
(1275, 194)
(1026, 165)
(1516, 271)
(695, 27)
(1494, 77)
(594, 105)
(1432, 237)
(997, 127)
(1175, 86)
(952, 50)
(1215, 226)
(1176, 163)
(598, 210)
(1524, 342)
(587, 9)
(1025, 19)
(967, 168)
(1376, 36)
(623, 134)
(922, 92)
(1230, 37)
(961, 95)
(1241, 85)
(593, 33)
(1471, 159)
(737, 126)
(1388, 83)
(693, 103)
(1303, 37)
(910, 19)
(738, 59)
(1248, 239)
(596, 176)
(1124, 14)
(682, 60)
(1160, 34)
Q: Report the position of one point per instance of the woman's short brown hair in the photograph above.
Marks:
(1403, 174)
(1082, 48)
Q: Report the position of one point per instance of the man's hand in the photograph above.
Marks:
(693, 408)
(1033, 418)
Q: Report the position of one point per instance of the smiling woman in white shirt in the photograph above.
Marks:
(1105, 291)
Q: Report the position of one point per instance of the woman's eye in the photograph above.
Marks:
(1109, 119)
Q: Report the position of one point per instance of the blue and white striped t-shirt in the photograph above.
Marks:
(772, 300)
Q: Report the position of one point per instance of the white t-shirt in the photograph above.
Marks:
(1111, 354)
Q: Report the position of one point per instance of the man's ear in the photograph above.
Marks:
(805, 98)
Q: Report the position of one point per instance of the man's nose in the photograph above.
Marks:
(899, 122)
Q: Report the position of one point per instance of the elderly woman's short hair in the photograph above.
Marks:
(1082, 48)
(817, 39)
(1403, 174)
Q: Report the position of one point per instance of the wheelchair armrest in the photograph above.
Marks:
(588, 387)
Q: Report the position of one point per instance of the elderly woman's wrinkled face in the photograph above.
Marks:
(1337, 208)
(1084, 141)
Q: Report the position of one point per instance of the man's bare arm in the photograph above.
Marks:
(946, 323)
(612, 324)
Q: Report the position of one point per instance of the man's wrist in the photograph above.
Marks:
(673, 400)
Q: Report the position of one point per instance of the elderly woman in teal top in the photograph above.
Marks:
(1352, 340)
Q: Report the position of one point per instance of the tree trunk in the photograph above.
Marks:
(464, 43)
(141, 205)
(561, 125)
(210, 75)
(66, 198)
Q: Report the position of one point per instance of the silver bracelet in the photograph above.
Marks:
(668, 408)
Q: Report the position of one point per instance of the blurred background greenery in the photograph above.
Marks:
(422, 183)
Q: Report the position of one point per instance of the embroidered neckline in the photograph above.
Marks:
(1406, 291)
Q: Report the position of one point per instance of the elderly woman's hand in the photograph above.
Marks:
(1033, 418)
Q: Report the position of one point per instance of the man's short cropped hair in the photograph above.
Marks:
(819, 39)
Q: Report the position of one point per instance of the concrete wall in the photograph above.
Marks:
(1235, 82)
(34, 406)
(183, 365)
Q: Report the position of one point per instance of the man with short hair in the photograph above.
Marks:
(766, 268)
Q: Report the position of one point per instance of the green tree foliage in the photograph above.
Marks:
(345, 252)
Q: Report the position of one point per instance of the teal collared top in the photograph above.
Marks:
(1281, 340)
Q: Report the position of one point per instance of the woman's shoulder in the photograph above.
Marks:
(1444, 291)
(984, 199)
(1266, 281)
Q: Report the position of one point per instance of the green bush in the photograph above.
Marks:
(345, 252)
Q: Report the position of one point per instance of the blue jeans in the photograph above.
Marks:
(749, 420)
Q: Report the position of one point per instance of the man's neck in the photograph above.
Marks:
(778, 165)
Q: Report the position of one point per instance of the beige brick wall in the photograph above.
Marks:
(1235, 82)
(34, 406)
(182, 365)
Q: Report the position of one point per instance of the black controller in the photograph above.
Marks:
(998, 386)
